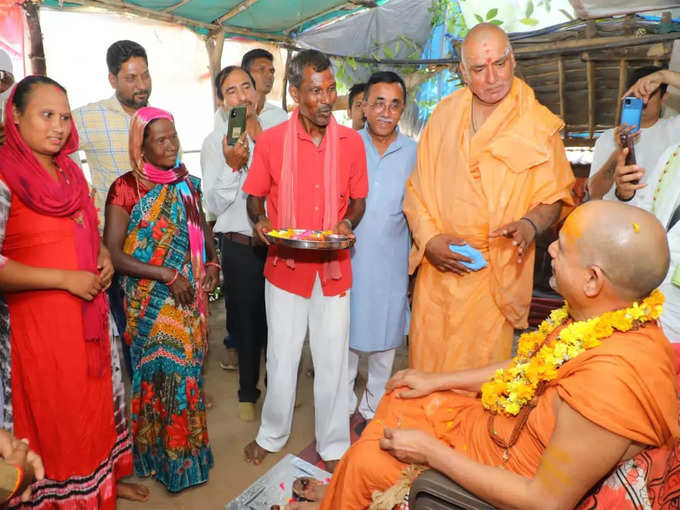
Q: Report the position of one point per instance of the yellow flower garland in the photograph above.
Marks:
(512, 388)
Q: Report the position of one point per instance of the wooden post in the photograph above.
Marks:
(214, 43)
(560, 77)
(37, 55)
(590, 76)
(623, 79)
(285, 82)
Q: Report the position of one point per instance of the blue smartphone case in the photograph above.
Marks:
(631, 111)
(473, 254)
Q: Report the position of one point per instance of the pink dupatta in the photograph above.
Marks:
(288, 186)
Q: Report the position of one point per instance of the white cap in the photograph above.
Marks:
(5, 61)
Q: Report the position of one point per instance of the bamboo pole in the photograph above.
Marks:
(214, 43)
(285, 82)
(590, 76)
(623, 79)
(37, 55)
(560, 88)
(126, 8)
(245, 4)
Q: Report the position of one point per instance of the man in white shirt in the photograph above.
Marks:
(260, 64)
(655, 135)
(658, 191)
(224, 169)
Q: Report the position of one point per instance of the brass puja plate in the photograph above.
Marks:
(309, 239)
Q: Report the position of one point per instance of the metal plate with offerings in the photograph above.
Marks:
(309, 239)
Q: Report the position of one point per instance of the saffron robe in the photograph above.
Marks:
(467, 187)
(626, 385)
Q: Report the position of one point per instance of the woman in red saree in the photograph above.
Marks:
(54, 279)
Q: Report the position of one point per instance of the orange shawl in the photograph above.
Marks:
(468, 187)
(626, 385)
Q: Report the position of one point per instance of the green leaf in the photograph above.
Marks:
(479, 18)
(530, 9)
(491, 14)
(529, 21)
(352, 63)
(397, 47)
(388, 52)
(497, 22)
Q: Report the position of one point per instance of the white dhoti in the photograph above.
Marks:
(288, 317)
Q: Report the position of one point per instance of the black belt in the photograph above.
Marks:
(239, 238)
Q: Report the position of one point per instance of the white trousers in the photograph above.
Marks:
(288, 317)
(379, 372)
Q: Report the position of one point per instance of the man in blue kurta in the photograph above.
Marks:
(379, 309)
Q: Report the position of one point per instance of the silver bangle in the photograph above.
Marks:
(349, 222)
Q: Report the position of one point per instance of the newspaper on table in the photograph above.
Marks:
(275, 487)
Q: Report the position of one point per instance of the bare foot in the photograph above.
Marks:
(310, 489)
(303, 505)
(254, 453)
(132, 491)
(331, 465)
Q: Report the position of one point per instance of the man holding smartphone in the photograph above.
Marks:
(654, 135)
(225, 157)
(658, 191)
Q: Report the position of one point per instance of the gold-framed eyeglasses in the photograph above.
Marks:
(380, 106)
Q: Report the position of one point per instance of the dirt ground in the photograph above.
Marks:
(228, 435)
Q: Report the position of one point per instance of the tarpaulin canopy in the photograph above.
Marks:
(274, 20)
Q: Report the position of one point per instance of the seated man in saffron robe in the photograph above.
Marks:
(591, 388)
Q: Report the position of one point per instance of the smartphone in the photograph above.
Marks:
(236, 125)
(631, 112)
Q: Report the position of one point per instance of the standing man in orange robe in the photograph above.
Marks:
(492, 173)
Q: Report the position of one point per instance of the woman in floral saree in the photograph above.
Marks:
(159, 241)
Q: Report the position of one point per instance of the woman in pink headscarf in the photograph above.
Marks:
(159, 241)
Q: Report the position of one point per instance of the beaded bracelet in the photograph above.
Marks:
(173, 279)
(213, 264)
(17, 484)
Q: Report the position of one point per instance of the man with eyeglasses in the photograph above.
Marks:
(492, 174)
(379, 306)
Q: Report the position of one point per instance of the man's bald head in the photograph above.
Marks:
(484, 33)
(628, 243)
(487, 62)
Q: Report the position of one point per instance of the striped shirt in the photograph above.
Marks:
(103, 128)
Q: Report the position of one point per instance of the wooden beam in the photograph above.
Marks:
(245, 4)
(125, 8)
(349, 5)
(214, 43)
(176, 6)
(590, 75)
(623, 79)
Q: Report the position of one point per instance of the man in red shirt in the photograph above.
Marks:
(312, 174)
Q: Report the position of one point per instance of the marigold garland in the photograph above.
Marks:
(512, 388)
